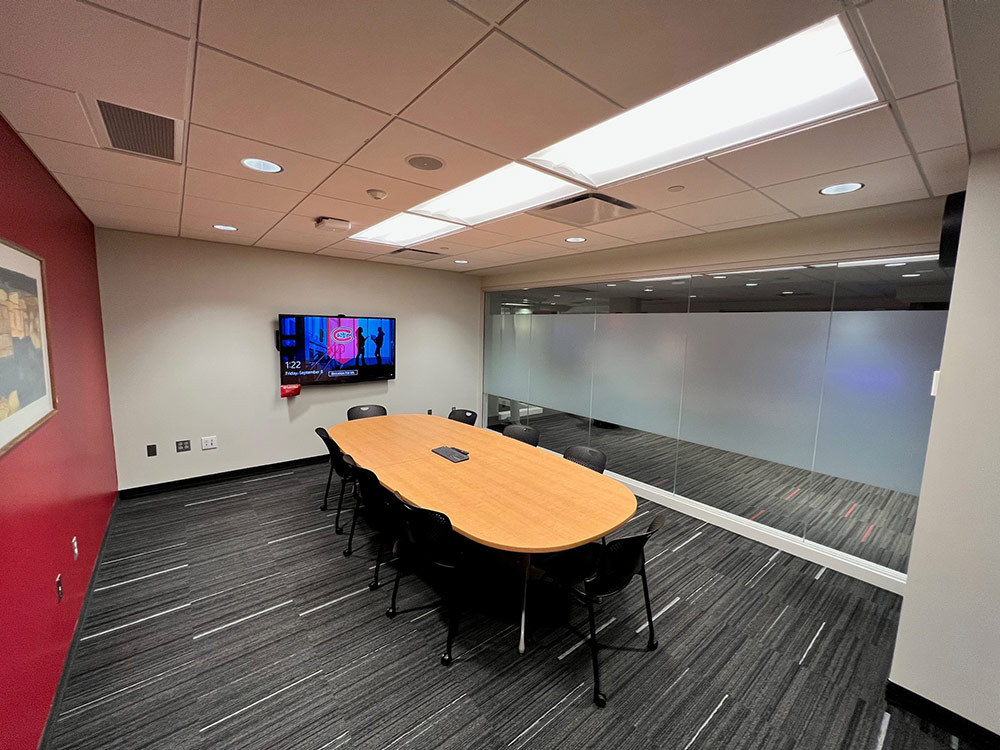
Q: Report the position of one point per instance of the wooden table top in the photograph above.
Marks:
(508, 495)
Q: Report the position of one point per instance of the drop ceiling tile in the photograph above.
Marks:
(489, 257)
(392, 259)
(199, 214)
(298, 233)
(491, 10)
(595, 240)
(728, 209)
(886, 182)
(634, 50)
(105, 164)
(933, 119)
(382, 55)
(212, 151)
(506, 100)
(358, 214)
(352, 184)
(533, 250)
(947, 169)
(912, 43)
(43, 110)
(850, 141)
(479, 238)
(387, 152)
(244, 192)
(336, 252)
(444, 246)
(177, 16)
(524, 226)
(130, 218)
(85, 188)
(646, 227)
(240, 98)
(701, 180)
(750, 221)
(243, 237)
(82, 48)
(368, 249)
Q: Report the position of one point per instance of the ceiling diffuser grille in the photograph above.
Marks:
(586, 209)
(138, 132)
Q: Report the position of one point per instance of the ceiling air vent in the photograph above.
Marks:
(138, 132)
(414, 254)
(583, 210)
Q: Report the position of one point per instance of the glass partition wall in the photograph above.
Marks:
(799, 398)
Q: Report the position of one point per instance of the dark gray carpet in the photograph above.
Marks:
(870, 522)
(225, 616)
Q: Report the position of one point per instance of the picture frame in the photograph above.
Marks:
(27, 398)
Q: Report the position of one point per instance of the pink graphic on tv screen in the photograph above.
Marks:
(342, 345)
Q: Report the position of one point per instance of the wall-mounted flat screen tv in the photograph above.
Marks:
(321, 349)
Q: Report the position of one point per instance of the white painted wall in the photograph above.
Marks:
(948, 643)
(189, 332)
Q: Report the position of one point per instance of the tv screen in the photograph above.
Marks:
(320, 349)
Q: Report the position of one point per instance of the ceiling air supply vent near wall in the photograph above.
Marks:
(138, 132)
(586, 209)
(414, 254)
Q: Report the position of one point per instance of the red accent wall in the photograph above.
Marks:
(60, 481)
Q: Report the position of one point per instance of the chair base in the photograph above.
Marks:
(348, 552)
(445, 660)
(600, 700)
(373, 585)
(390, 613)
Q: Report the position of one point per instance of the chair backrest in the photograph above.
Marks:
(463, 415)
(429, 536)
(380, 504)
(587, 456)
(522, 432)
(366, 410)
(336, 455)
(620, 560)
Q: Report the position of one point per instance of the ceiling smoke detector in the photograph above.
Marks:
(425, 162)
(330, 224)
(377, 195)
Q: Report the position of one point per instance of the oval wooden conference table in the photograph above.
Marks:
(508, 495)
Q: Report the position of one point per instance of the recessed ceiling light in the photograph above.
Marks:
(751, 284)
(524, 300)
(663, 278)
(718, 277)
(678, 283)
(612, 285)
(224, 227)
(675, 189)
(910, 275)
(463, 262)
(894, 265)
(425, 162)
(261, 165)
(575, 239)
(841, 188)
(524, 288)
(806, 77)
(503, 191)
(693, 296)
(587, 299)
(406, 229)
(788, 292)
(767, 270)
(647, 290)
(557, 295)
(884, 261)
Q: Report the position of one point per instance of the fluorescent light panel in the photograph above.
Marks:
(883, 261)
(662, 278)
(806, 77)
(403, 230)
(503, 191)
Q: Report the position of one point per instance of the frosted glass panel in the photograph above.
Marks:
(752, 383)
(638, 369)
(507, 351)
(561, 361)
(877, 399)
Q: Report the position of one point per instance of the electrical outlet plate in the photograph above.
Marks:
(209, 443)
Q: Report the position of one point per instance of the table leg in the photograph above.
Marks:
(526, 561)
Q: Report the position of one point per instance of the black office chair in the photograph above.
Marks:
(522, 432)
(587, 456)
(383, 511)
(594, 571)
(343, 470)
(367, 410)
(463, 415)
(428, 541)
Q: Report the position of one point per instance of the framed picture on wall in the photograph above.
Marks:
(26, 398)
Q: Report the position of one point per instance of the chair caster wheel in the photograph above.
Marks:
(445, 660)
(652, 646)
(600, 700)
(323, 508)
(390, 613)
(373, 585)
(348, 552)
(339, 530)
